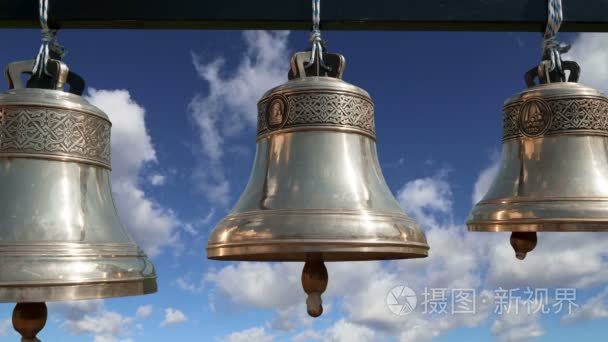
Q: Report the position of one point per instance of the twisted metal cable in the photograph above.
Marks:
(315, 37)
(49, 41)
(552, 49)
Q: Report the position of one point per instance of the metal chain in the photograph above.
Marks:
(552, 49)
(49, 41)
(316, 55)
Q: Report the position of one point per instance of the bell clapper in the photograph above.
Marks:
(523, 243)
(29, 319)
(314, 282)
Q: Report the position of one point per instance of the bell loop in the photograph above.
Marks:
(299, 68)
(544, 75)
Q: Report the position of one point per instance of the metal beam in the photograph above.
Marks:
(431, 15)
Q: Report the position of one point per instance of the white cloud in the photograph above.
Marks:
(151, 225)
(230, 105)
(144, 311)
(257, 334)
(76, 309)
(559, 260)
(595, 308)
(293, 317)
(6, 326)
(518, 323)
(172, 317)
(590, 50)
(484, 181)
(267, 285)
(105, 324)
(91, 317)
(427, 199)
(344, 331)
(157, 179)
(307, 336)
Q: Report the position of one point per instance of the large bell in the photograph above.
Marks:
(316, 192)
(554, 170)
(60, 235)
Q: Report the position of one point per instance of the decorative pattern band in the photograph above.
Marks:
(541, 117)
(315, 109)
(54, 133)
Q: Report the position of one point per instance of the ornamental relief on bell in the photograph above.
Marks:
(536, 117)
(317, 109)
(43, 131)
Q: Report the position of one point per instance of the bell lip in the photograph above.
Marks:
(334, 251)
(388, 235)
(77, 291)
(540, 215)
(539, 225)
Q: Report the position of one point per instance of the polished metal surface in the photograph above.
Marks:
(60, 235)
(316, 190)
(554, 170)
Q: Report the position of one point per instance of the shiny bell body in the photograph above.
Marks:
(554, 170)
(60, 235)
(316, 190)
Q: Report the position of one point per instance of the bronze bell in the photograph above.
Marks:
(60, 235)
(316, 192)
(554, 171)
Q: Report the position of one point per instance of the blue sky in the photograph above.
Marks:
(183, 108)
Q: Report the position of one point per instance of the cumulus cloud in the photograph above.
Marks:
(590, 50)
(595, 308)
(517, 323)
(105, 324)
(347, 331)
(229, 107)
(172, 317)
(268, 285)
(151, 225)
(257, 334)
(144, 311)
(157, 179)
(6, 326)
(485, 179)
(427, 199)
(92, 318)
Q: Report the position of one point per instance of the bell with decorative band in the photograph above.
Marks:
(60, 235)
(316, 192)
(554, 170)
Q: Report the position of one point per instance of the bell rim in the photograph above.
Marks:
(539, 225)
(89, 290)
(330, 251)
(404, 239)
(593, 217)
